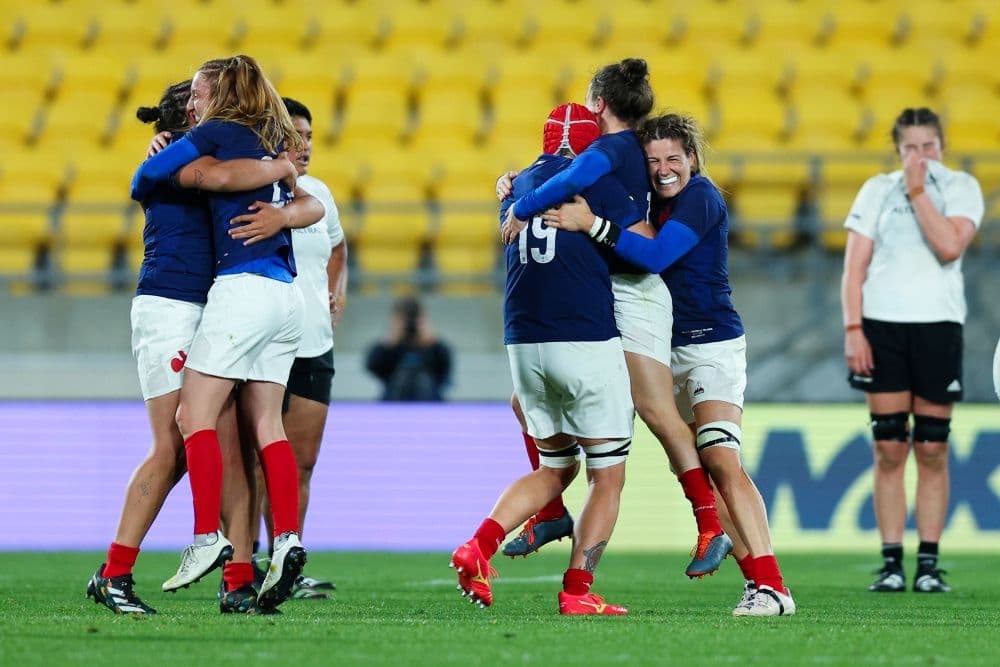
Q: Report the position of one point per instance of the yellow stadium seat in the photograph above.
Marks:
(14, 261)
(863, 23)
(465, 260)
(386, 260)
(395, 214)
(554, 26)
(644, 23)
(751, 118)
(825, 119)
(766, 215)
(945, 29)
(833, 205)
(357, 25)
(781, 169)
(375, 117)
(212, 27)
(970, 118)
(36, 26)
(21, 111)
(491, 26)
(712, 25)
(128, 27)
(454, 120)
(815, 69)
(521, 106)
(782, 27)
(849, 172)
(413, 26)
(78, 121)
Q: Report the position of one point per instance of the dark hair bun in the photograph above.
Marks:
(148, 114)
(633, 69)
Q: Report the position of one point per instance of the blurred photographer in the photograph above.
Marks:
(412, 363)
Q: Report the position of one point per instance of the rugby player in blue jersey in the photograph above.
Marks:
(620, 96)
(691, 252)
(173, 284)
(252, 324)
(569, 373)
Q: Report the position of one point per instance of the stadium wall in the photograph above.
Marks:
(421, 477)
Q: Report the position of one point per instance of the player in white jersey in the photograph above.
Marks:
(904, 308)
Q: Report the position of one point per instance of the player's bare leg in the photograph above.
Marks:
(518, 501)
(153, 479)
(202, 400)
(593, 531)
(891, 449)
(237, 594)
(930, 448)
(550, 523)
(112, 584)
(304, 423)
(718, 428)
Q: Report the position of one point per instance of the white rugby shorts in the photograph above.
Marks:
(709, 372)
(250, 329)
(162, 330)
(577, 388)
(644, 314)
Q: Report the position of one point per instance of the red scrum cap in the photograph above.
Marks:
(571, 126)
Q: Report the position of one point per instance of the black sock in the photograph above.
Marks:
(892, 554)
(927, 555)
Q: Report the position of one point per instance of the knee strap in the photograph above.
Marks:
(931, 429)
(559, 458)
(719, 434)
(607, 454)
(891, 426)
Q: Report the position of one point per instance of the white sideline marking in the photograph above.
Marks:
(506, 580)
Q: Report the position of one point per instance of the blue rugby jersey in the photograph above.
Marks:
(226, 141)
(699, 281)
(178, 261)
(558, 283)
(229, 141)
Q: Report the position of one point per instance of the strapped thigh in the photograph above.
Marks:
(559, 458)
(607, 454)
(719, 434)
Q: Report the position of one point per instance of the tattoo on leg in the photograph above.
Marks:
(144, 487)
(593, 555)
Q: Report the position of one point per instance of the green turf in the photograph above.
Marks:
(403, 609)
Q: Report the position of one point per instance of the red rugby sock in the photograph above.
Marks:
(121, 559)
(766, 573)
(204, 463)
(237, 575)
(489, 536)
(281, 474)
(577, 582)
(699, 492)
(746, 567)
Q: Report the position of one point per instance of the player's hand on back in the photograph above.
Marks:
(158, 143)
(575, 216)
(505, 185)
(265, 221)
(511, 227)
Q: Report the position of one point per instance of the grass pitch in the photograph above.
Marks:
(402, 609)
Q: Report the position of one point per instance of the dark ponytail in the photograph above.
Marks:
(625, 88)
(911, 117)
(171, 114)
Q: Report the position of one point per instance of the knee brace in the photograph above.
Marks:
(891, 426)
(719, 434)
(608, 454)
(559, 458)
(931, 429)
